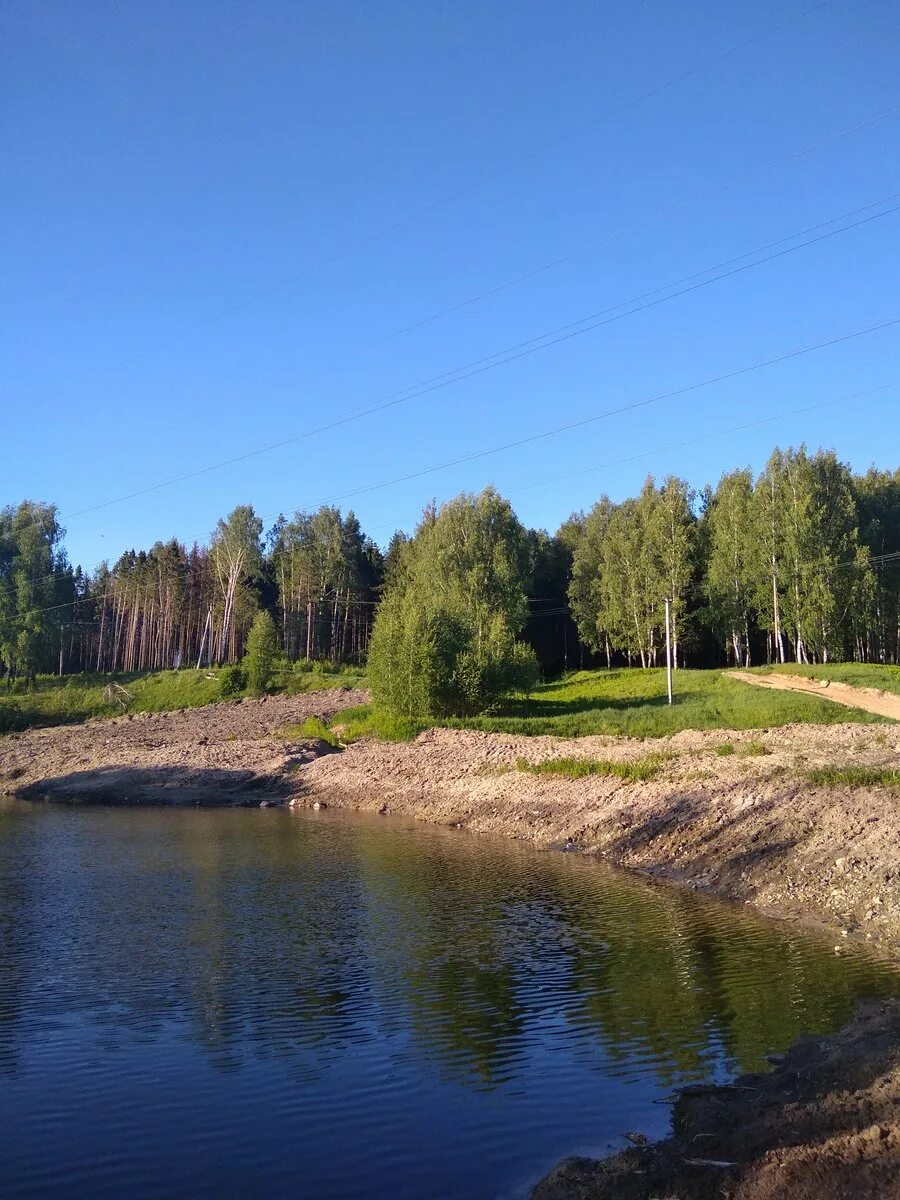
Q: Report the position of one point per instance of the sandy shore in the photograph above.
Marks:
(223, 754)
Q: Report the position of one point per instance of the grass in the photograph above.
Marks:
(873, 675)
(364, 721)
(55, 701)
(633, 702)
(628, 702)
(312, 727)
(579, 768)
(850, 776)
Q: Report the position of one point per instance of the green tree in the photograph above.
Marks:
(262, 649)
(32, 570)
(732, 559)
(236, 555)
(586, 537)
(444, 641)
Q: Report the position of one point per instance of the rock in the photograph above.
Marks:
(319, 804)
(270, 804)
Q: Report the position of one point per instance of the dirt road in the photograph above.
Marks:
(884, 704)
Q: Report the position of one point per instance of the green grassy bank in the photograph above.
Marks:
(631, 702)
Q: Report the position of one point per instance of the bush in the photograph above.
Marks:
(435, 664)
(262, 651)
(232, 681)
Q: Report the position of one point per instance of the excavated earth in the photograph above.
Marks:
(746, 825)
(223, 754)
(823, 1125)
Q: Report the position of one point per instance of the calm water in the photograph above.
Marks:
(262, 1003)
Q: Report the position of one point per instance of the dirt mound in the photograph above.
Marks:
(824, 1125)
(226, 754)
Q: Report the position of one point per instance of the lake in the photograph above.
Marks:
(243, 1003)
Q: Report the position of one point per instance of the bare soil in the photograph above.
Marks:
(873, 700)
(223, 754)
(823, 1125)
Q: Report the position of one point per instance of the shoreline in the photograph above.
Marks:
(730, 813)
(744, 825)
(821, 1125)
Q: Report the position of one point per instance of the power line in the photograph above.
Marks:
(661, 214)
(707, 436)
(522, 349)
(473, 185)
(638, 404)
(875, 559)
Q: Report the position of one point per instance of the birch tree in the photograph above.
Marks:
(731, 562)
(235, 553)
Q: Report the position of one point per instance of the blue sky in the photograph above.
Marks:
(215, 214)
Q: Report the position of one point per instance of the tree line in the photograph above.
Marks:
(177, 606)
(800, 562)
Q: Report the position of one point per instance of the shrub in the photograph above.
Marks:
(438, 664)
(262, 650)
(232, 681)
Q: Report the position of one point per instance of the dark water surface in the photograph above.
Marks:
(216, 1003)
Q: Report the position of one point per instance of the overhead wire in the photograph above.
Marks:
(859, 395)
(524, 349)
(479, 182)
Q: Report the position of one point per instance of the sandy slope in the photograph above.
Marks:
(221, 754)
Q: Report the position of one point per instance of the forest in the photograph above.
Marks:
(800, 563)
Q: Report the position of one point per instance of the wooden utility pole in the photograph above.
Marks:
(669, 646)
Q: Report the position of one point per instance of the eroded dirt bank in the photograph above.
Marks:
(747, 825)
(222, 754)
(823, 1125)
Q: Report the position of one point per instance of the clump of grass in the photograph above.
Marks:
(850, 776)
(312, 727)
(754, 749)
(365, 721)
(579, 768)
(725, 749)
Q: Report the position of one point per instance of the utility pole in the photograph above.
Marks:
(669, 646)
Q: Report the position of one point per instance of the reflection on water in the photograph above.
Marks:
(263, 1003)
